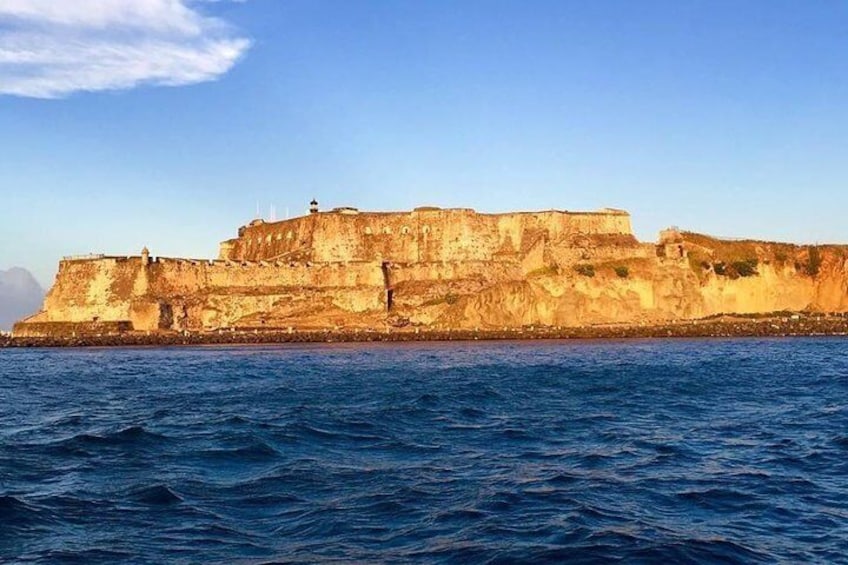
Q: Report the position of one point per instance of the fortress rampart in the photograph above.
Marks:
(423, 235)
(144, 291)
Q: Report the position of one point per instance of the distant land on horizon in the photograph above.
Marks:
(20, 296)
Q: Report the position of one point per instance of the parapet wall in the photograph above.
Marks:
(426, 235)
(82, 284)
(151, 294)
(71, 329)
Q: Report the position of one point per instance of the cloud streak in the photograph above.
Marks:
(50, 48)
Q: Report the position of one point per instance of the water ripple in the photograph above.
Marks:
(642, 451)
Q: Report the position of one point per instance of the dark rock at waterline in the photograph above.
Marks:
(731, 326)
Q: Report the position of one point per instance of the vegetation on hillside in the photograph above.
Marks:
(741, 258)
(449, 299)
(546, 271)
(814, 261)
(585, 270)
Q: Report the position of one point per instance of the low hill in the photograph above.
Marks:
(20, 296)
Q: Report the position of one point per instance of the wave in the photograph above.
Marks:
(129, 436)
(255, 450)
(18, 515)
(518, 434)
(307, 432)
(85, 556)
(700, 551)
(155, 495)
(14, 510)
(461, 515)
(427, 400)
(234, 420)
(722, 499)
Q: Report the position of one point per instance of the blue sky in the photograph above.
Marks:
(163, 122)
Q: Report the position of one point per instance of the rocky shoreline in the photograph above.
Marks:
(793, 325)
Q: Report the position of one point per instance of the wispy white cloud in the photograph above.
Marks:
(52, 48)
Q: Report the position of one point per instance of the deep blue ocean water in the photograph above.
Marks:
(634, 451)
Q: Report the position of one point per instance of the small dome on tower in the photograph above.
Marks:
(313, 206)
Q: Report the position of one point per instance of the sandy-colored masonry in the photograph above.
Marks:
(440, 269)
(425, 235)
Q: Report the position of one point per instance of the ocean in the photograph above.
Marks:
(701, 451)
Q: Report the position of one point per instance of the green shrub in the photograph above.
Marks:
(746, 268)
(585, 270)
(814, 261)
(546, 271)
(446, 299)
(622, 271)
(720, 268)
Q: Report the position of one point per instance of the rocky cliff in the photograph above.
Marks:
(442, 269)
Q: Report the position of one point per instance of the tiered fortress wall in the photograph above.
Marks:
(424, 235)
(443, 269)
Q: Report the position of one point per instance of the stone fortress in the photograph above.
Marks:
(441, 269)
(425, 235)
